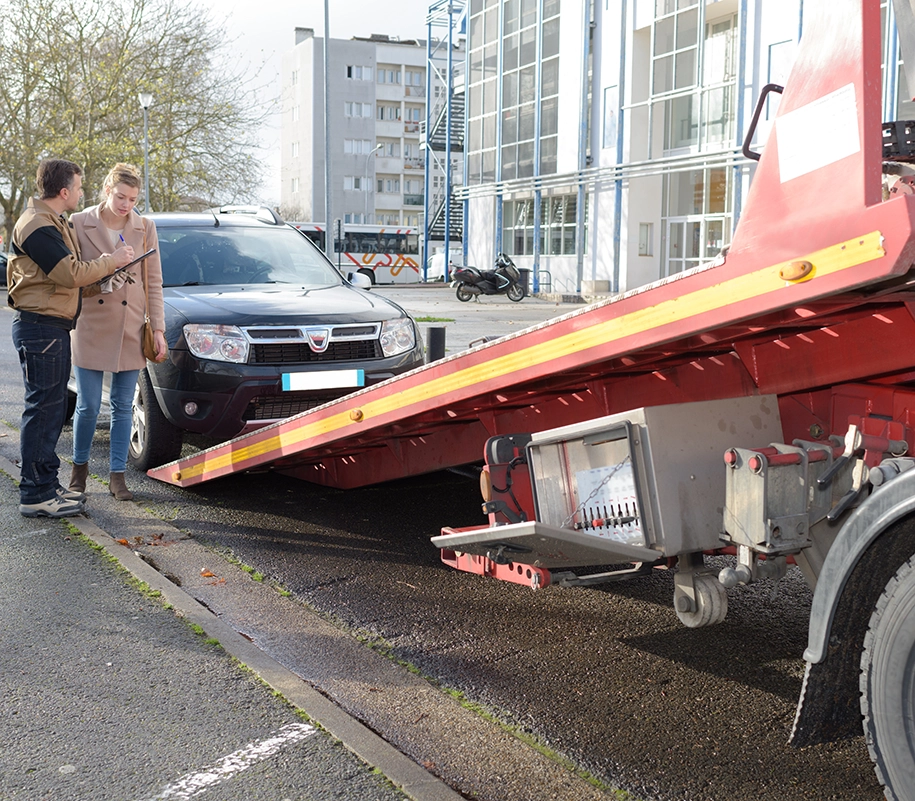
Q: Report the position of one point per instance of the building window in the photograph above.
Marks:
(295, 150)
(646, 237)
(354, 182)
(359, 73)
(389, 113)
(611, 110)
(295, 113)
(295, 77)
(714, 97)
(390, 186)
(558, 225)
(388, 75)
(357, 146)
(295, 186)
(351, 109)
(676, 45)
(697, 217)
(483, 78)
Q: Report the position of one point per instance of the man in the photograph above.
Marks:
(44, 276)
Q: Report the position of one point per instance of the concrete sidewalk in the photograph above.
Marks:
(107, 693)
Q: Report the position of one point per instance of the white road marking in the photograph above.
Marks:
(196, 783)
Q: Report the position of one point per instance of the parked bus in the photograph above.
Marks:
(385, 254)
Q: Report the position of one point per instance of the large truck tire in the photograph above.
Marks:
(888, 685)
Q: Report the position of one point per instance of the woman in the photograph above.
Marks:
(108, 334)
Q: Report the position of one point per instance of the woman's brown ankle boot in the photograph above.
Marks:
(118, 487)
(78, 476)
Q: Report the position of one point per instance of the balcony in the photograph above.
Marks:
(387, 164)
(413, 200)
(414, 163)
(388, 128)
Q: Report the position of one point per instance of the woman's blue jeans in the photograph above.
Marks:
(88, 402)
(44, 354)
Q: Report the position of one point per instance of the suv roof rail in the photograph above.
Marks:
(262, 213)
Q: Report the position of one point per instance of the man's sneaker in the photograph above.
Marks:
(53, 507)
(71, 495)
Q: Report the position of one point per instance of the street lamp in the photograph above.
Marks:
(365, 206)
(146, 100)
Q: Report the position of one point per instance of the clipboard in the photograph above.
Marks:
(136, 261)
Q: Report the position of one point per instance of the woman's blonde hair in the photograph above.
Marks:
(123, 174)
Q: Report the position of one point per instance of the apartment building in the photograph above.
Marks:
(603, 144)
(376, 106)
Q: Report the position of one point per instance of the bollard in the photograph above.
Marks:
(435, 344)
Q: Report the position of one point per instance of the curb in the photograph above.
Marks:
(411, 779)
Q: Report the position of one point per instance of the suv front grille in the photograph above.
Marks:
(278, 407)
(301, 352)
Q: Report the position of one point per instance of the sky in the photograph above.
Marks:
(261, 32)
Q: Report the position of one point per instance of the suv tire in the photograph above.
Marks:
(153, 439)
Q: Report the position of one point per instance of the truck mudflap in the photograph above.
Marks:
(875, 540)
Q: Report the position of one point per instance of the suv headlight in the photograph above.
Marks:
(397, 336)
(221, 343)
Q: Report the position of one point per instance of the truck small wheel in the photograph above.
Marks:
(712, 600)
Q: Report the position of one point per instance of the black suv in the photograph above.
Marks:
(260, 326)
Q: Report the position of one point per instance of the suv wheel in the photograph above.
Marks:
(153, 439)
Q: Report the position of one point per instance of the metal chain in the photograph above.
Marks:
(604, 481)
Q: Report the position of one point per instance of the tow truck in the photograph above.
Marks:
(759, 410)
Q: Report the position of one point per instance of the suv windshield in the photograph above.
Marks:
(241, 255)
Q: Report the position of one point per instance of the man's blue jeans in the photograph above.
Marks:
(44, 354)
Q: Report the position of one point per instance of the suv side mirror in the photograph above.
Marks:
(359, 280)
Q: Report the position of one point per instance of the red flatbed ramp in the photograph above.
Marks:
(815, 291)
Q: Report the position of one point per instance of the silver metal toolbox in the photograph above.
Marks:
(652, 477)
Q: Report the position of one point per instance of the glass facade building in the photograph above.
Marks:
(603, 139)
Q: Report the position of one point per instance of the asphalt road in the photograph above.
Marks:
(605, 678)
(107, 694)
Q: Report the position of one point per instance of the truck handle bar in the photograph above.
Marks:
(769, 87)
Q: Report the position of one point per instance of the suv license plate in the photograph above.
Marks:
(326, 379)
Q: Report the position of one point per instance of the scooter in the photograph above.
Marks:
(504, 280)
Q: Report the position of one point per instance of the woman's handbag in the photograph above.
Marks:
(149, 344)
(149, 337)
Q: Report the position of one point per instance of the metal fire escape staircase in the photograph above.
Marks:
(443, 133)
(438, 142)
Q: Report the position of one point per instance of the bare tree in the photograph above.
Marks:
(72, 72)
